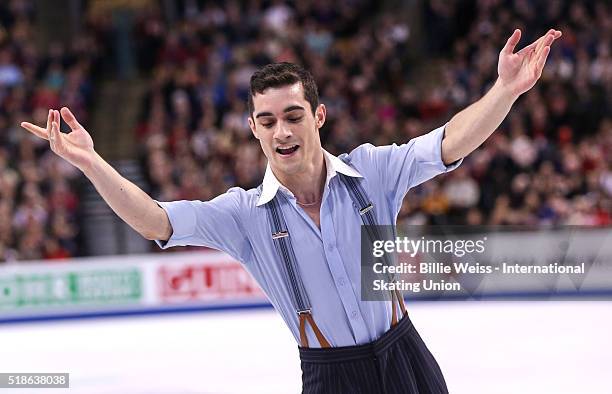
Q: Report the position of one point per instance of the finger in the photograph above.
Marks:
(536, 55)
(49, 121)
(534, 46)
(36, 130)
(70, 119)
(528, 48)
(55, 132)
(56, 119)
(546, 43)
(52, 137)
(542, 59)
(512, 41)
(546, 39)
(58, 122)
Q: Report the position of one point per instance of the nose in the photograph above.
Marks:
(282, 131)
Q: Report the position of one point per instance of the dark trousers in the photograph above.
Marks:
(397, 362)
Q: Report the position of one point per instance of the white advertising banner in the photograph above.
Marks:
(125, 284)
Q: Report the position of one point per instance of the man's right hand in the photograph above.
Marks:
(76, 147)
(128, 201)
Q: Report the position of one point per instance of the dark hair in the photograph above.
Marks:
(276, 75)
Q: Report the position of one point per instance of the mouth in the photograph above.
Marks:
(287, 150)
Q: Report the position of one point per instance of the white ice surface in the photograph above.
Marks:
(482, 347)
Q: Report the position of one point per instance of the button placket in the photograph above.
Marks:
(338, 271)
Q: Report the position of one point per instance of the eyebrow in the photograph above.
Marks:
(288, 109)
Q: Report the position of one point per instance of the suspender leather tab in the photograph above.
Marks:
(396, 298)
(306, 316)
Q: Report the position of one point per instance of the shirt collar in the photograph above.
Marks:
(333, 165)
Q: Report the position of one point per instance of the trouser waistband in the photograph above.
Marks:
(346, 353)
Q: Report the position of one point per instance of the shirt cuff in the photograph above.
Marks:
(183, 220)
(428, 149)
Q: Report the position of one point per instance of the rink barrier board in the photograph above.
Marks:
(506, 296)
(207, 280)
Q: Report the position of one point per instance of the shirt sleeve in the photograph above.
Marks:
(214, 224)
(401, 167)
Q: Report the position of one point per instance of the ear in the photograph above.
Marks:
(320, 115)
(252, 126)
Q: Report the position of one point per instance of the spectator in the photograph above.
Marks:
(38, 200)
(547, 164)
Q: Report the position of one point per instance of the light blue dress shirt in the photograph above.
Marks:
(329, 258)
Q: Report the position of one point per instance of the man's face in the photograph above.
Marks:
(288, 132)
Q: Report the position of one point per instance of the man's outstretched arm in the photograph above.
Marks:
(128, 201)
(518, 72)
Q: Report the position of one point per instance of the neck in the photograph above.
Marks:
(306, 186)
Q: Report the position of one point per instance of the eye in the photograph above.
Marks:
(295, 120)
(268, 125)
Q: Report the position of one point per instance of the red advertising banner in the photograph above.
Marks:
(205, 281)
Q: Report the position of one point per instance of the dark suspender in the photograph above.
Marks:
(299, 298)
(366, 212)
(368, 217)
(282, 243)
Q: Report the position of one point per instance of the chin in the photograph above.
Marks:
(289, 168)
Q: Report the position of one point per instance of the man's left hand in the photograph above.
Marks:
(519, 71)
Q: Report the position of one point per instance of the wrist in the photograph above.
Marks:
(90, 167)
(504, 91)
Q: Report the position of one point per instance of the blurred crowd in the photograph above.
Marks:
(547, 164)
(196, 140)
(38, 197)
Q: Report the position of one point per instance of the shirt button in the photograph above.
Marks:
(341, 282)
(331, 247)
(353, 314)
